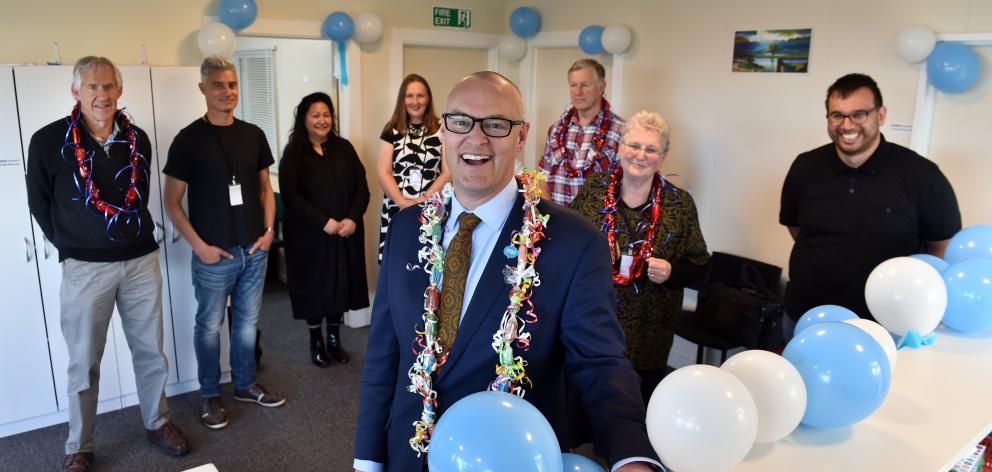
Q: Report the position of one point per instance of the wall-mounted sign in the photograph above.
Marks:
(453, 17)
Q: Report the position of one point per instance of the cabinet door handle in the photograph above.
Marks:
(175, 234)
(45, 245)
(28, 250)
(159, 232)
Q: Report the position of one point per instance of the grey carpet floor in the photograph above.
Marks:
(314, 430)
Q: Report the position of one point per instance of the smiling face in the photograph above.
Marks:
(97, 94)
(415, 99)
(855, 142)
(318, 122)
(221, 91)
(482, 165)
(641, 154)
(585, 89)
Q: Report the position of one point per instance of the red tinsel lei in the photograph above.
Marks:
(610, 203)
(598, 139)
(89, 188)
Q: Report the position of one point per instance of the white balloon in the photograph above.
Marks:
(615, 39)
(915, 43)
(777, 389)
(216, 39)
(701, 418)
(368, 28)
(881, 335)
(512, 47)
(906, 294)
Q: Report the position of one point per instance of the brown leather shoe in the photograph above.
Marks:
(169, 439)
(78, 462)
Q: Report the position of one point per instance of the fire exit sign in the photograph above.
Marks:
(452, 17)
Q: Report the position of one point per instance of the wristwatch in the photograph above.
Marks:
(270, 230)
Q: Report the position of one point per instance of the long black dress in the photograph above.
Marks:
(326, 274)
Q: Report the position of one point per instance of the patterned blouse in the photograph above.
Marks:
(416, 165)
(648, 312)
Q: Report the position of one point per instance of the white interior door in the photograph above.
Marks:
(26, 390)
(177, 103)
(43, 95)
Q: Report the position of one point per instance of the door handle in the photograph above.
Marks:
(175, 234)
(45, 245)
(159, 232)
(28, 250)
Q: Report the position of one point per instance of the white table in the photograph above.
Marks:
(939, 406)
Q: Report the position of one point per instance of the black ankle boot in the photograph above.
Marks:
(334, 346)
(318, 353)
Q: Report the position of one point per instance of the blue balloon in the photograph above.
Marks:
(934, 261)
(969, 296)
(823, 313)
(577, 463)
(591, 40)
(339, 26)
(525, 22)
(845, 370)
(952, 67)
(973, 242)
(238, 14)
(489, 431)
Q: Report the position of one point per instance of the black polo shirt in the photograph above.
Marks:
(850, 220)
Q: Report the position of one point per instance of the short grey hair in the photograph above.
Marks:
(93, 62)
(587, 63)
(650, 121)
(213, 64)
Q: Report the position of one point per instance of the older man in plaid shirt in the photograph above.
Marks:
(585, 139)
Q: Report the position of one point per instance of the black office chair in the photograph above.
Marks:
(728, 269)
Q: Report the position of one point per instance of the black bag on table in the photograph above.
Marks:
(740, 302)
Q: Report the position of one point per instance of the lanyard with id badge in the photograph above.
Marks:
(234, 187)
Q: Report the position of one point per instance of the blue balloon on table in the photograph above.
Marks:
(969, 296)
(525, 22)
(579, 463)
(934, 261)
(591, 40)
(821, 314)
(845, 370)
(953, 67)
(493, 431)
(238, 14)
(973, 242)
(339, 26)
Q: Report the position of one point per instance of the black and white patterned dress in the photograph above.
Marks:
(416, 165)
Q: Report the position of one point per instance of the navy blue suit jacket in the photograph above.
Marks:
(577, 332)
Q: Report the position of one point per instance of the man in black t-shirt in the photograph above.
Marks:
(224, 164)
(852, 204)
(88, 189)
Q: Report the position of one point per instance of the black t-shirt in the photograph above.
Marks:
(850, 220)
(207, 158)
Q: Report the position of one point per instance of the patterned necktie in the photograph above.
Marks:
(456, 262)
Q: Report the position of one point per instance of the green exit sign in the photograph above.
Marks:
(453, 17)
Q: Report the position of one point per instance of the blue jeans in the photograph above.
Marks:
(242, 278)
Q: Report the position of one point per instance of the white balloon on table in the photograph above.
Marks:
(777, 389)
(701, 418)
(216, 39)
(906, 294)
(915, 43)
(512, 48)
(616, 39)
(881, 335)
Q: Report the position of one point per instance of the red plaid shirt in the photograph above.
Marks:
(562, 187)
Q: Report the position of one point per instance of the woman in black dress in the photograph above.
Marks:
(323, 187)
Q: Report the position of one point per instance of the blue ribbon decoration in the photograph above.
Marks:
(343, 61)
(914, 340)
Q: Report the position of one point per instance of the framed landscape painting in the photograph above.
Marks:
(783, 51)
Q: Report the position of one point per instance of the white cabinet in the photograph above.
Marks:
(26, 387)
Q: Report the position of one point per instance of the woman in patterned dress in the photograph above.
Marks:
(634, 205)
(410, 165)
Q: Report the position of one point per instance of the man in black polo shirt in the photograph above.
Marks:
(857, 202)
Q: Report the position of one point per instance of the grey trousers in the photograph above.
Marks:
(88, 294)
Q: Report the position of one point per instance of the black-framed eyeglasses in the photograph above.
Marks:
(857, 117)
(492, 127)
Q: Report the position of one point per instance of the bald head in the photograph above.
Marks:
(493, 81)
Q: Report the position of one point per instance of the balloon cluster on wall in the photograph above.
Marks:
(217, 38)
(339, 27)
(525, 23)
(951, 67)
(595, 39)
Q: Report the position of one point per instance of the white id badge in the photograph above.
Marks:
(414, 179)
(625, 261)
(234, 191)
